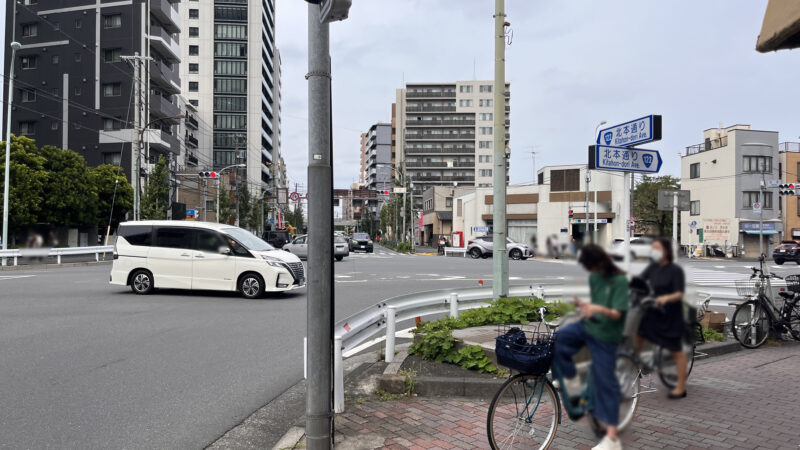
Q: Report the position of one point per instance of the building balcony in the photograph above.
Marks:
(441, 137)
(427, 123)
(428, 94)
(191, 160)
(191, 141)
(431, 108)
(161, 107)
(191, 122)
(166, 14)
(167, 78)
(441, 150)
(508, 108)
(426, 164)
(163, 41)
(442, 179)
(709, 144)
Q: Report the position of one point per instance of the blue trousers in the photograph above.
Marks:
(569, 341)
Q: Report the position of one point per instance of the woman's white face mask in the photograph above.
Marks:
(656, 255)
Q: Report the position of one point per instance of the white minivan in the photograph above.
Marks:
(201, 255)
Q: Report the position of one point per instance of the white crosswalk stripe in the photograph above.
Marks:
(715, 278)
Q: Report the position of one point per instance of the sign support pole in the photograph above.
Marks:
(626, 216)
(675, 224)
(761, 218)
(500, 254)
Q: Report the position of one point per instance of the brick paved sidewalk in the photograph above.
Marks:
(748, 400)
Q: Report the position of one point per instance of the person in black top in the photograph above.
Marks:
(664, 326)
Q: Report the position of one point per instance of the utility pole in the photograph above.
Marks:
(205, 203)
(586, 209)
(7, 180)
(500, 256)
(594, 227)
(137, 121)
(761, 189)
(321, 300)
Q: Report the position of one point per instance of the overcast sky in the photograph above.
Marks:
(571, 65)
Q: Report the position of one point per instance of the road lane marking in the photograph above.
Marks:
(14, 277)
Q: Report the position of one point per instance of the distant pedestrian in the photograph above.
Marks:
(442, 244)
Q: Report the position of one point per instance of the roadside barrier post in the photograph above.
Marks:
(454, 306)
(338, 376)
(390, 332)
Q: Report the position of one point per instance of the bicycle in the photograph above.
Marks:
(753, 320)
(526, 410)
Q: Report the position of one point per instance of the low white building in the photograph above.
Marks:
(540, 211)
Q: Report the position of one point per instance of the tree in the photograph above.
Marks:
(645, 205)
(28, 179)
(113, 192)
(71, 198)
(245, 209)
(155, 198)
(294, 217)
(227, 212)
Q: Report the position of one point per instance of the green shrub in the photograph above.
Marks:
(713, 335)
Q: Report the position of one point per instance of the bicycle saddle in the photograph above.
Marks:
(786, 294)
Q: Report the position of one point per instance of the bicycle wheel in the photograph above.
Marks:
(630, 385)
(793, 317)
(750, 324)
(523, 414)
(667, 369)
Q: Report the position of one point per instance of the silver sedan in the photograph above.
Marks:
(299, 247)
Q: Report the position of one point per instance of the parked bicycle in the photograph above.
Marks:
(754, 319)
(526, 410)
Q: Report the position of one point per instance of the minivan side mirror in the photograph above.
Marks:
(225, 250)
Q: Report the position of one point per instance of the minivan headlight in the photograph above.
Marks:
(272, 261)
(370, 242)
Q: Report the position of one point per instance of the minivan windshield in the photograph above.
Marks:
(248, 239)
(361, 236)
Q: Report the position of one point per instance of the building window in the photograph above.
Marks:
(486, 116)
(223, 158)
(694, 170)
(465, 89)
(56, 92)
(77, 57)
(30, 30)
(30, 2)
(230, 68)
(28, 95)
(230, 86)
(694, 207)
(28, 62)
(798, 171)
(56, 26)
(111, 124)
(465, 103)
(230, 104)
(230, 49)
(194, 102)
(230, 13)
(448, 202)
(486, 88)
(485, 144)
(194, 68)
(194, 50)
(77, 91)
(194, 13)
(112, 90)
(194, 31)
(230, 31)
(565, 180)
(485, 172)
(27, 128)
(757, 164)
(78, 23)
(112, 21)
(750, 197)
(54, 59)
(485, 130)
(194, 86)
(112, 158)
(53, 125)
(230, 121)
(485, 158)
(112, 55)
(486, 102)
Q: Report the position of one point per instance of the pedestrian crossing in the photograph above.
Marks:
(377, 254)
(715, 278)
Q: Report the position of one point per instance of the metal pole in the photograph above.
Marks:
(7, 179)
(626, 218)
(594, 227)
(586, 216)
(675, 224)
(500, 261)
(319, 397)
(405, 201)
(391, 329)
(137, 194)
(761, 217)
(204, 199)
(219, 181)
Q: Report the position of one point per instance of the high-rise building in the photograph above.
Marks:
(231, 73)
(362, 174)
(74, 80)
(444, 133)
(377, 154)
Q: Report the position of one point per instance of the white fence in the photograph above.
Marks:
(54, 252)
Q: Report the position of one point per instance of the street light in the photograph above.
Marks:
(594, 228)
(219, 180)
(137, 193)
(14, 47)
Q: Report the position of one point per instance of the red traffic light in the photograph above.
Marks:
(570, 212)
(212, 175)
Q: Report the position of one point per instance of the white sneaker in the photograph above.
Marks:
(573, 386)
(608, 444)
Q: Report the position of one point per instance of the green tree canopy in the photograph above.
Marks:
(227, 212)
(27, 188)
(645, 205)
(155, 198)
(105, 178)
(71, 197)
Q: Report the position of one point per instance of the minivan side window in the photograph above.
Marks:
(137, 234)
(209, 241)
(300, 240)
(174, 237)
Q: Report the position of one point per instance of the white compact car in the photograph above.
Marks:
(641, 247)
(201, 255)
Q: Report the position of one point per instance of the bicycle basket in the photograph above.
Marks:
(528, 352)
(746, 288)
(793, 283)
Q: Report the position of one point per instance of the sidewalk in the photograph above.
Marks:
(746, 400)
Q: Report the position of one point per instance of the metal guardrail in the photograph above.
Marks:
(54, 252)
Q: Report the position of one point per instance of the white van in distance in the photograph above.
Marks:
(201, 255)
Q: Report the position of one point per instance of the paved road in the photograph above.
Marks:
(89, 365)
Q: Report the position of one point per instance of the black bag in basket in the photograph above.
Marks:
(514, 351)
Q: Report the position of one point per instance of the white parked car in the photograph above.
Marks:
(640, 248)
(201, 255)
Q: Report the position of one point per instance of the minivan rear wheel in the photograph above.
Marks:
(251, 286)
(142, 282)
(515, 254)
(475, 253)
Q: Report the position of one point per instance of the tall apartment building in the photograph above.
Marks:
(378, 157)
(724, 174)
(362, 174)
(444, 133)
(74, 89)
(231, 74)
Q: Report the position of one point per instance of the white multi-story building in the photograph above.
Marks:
(231, 74)
(445, 133)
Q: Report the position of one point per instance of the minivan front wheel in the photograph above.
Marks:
(251, 286)
(142, 282)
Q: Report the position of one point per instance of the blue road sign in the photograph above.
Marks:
(271, 220)
(480, 229)
(639, 131)
(624, 159)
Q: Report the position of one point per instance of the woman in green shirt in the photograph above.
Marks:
(601, 331)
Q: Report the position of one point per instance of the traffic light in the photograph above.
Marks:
(208, 174)
(787, 189)
(571, 214)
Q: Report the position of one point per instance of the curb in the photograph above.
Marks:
(291, 439)
(52, 266)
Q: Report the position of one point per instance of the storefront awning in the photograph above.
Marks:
(764, 232)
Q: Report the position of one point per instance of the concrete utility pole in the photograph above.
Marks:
(594, 227)
(321, 301)
(7, 180)
(500, 255)
(586, 209)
